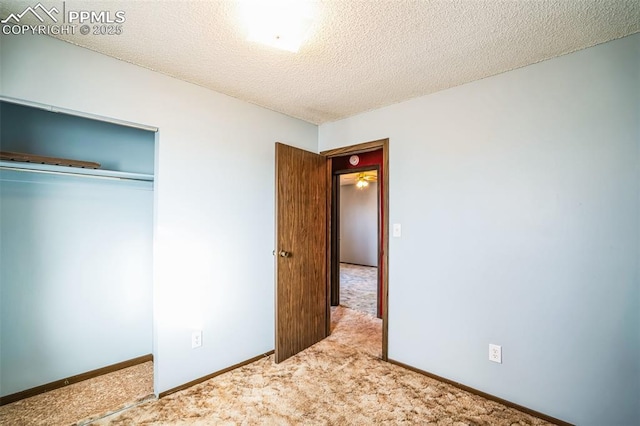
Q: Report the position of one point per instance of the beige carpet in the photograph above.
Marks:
(82, 402)
(339, 381)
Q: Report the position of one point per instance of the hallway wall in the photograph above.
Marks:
(359, 224)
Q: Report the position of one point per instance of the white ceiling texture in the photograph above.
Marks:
(359, 55)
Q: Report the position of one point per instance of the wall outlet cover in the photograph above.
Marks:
(495, 353)
(196, 339)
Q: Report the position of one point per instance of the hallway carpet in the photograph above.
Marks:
(338, 381)
(359, 288)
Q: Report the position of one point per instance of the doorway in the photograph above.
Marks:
(306, 253)
(366, 157)
(358, 245)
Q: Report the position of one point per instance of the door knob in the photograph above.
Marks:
(283, 253)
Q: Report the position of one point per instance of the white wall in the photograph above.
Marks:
(518, 197)
(359, 224)
(213, 241)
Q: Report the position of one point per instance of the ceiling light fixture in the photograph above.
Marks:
(362, 182)
(277, 23)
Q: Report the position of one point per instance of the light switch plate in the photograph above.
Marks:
(397, 230)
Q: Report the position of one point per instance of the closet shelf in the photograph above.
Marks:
(74, 171)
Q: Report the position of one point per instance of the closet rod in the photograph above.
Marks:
(54, 172)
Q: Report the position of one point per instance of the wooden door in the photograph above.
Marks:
(301, 247)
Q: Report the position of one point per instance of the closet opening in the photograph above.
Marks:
(76, 261)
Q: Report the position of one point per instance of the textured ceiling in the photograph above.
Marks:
(360, 55)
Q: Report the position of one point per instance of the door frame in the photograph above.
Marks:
(383, 234)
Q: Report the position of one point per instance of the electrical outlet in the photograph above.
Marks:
(196, 339)
(495, 353)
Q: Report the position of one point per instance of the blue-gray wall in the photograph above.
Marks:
(75, 253)
(519, 199)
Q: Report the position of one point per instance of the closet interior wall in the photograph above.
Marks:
(75, 251)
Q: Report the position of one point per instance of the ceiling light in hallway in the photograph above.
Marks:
(362, 182)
